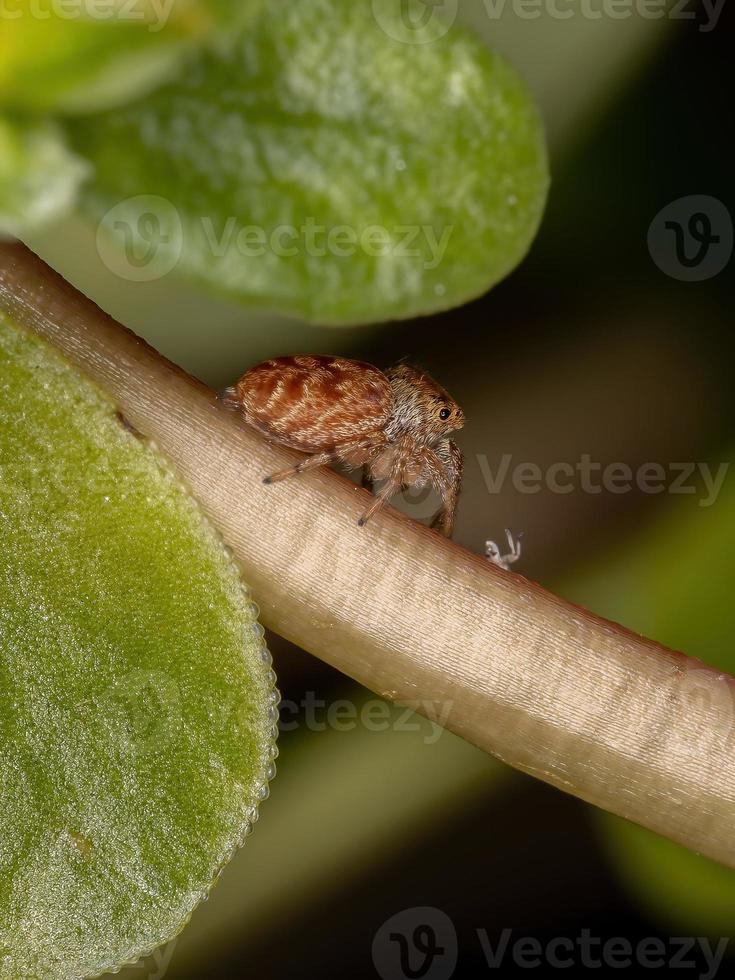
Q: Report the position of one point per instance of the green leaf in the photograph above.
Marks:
(77, 55)
(684, 891)
(39, 175)
(325, 167)
(136, 699)
(676, 586)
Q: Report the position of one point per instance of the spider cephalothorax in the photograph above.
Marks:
(396, 424)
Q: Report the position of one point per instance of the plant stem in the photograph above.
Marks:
(545, 686)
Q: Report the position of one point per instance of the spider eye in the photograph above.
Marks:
(444, 414)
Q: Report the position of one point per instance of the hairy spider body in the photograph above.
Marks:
(394, 424)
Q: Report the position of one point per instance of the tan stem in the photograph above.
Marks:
(545, 686)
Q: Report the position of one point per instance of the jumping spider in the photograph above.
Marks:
(394, 424)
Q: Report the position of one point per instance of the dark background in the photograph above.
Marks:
(531, 859)
(587, 348)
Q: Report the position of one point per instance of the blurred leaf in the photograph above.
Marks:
(556, 46)
(135, 733)
(351, 799)
(688, 893)
(552, 56)
(39, 175)
(102, 52)
(325, 167)
(676, 586)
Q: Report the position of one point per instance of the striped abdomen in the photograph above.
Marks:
(314, 402)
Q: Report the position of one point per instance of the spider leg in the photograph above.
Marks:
(340, 451)
(310, 463)
(389, 489)
(444, 465)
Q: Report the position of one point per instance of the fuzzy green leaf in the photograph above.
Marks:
(89, 54)
(325, 167)
(39, 175)
(136, 700)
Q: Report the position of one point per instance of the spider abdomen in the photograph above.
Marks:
(315, 402)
